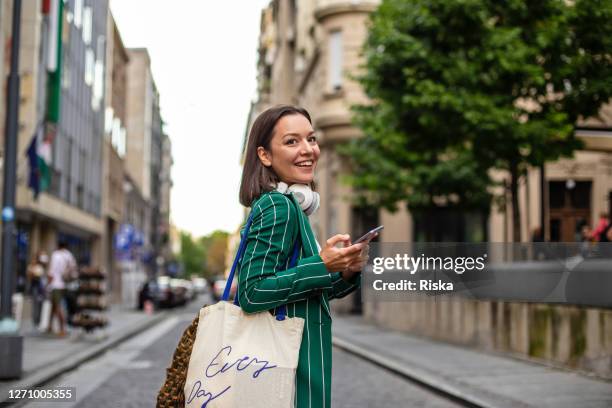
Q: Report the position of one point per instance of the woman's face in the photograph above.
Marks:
(294, 150)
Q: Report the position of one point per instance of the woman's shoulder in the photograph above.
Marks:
(274, 203)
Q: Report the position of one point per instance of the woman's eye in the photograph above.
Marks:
(312, 139)
(290, 141)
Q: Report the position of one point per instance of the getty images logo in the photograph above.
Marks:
(412, 264)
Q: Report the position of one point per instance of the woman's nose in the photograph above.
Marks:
(306, 148)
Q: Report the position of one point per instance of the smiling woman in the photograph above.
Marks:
(277, 183)
(282, 270)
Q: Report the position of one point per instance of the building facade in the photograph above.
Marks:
(62, 63)
(308, 52)
(165, 180)
(91, 111)
(156, 162)
(115, 136)
(147, 163)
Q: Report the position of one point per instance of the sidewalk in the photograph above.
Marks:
(481, 379)
(46, 357)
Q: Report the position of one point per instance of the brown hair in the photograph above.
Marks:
(257, 178)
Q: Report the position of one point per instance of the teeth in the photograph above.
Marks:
(304, 164)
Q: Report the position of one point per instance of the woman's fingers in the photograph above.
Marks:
(352, 251)
(339, 259)
(338, 238)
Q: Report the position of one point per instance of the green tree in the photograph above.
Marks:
(216, 248)
(192, 255)
(203, 256)
(459, 87)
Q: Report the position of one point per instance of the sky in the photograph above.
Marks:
(203, 59)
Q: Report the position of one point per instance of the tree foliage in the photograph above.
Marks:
(192, 255)
(216, 249)
(204, 256)
(459, 87)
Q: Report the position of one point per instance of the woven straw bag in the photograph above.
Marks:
(172, 394)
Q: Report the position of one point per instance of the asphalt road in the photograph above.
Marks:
(130, 375)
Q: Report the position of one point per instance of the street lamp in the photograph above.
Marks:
(11, 342)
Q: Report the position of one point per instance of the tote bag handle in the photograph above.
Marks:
(281, 311)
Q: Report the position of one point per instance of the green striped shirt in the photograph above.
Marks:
(266, 282)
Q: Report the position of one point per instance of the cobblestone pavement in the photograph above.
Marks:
(359, 384)
(131, 374)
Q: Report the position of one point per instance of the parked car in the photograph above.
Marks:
(200, 285)
(166, 292)
(185, 288)
(218, 286)
(165, 295)
(180, 292)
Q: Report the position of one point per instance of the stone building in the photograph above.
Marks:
(146, 163)
(308, 52)
(114, 153)
(165, 180)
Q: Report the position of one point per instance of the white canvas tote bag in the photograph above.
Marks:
(240, 359)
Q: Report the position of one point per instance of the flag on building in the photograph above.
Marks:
(54, 61)
(39, 158)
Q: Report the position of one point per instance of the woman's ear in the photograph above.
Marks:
(264, 156)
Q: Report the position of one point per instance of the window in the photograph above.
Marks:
(335, 60)
(122, 142)
(89, 66)
(87, 25)
(450, 225)
(66, 69)
(108, 120)
(78, 13)
(98, 85)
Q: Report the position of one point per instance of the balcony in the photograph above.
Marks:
(328, 8)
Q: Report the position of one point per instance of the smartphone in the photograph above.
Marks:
(369, 235)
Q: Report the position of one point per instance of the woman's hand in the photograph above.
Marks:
(358, 265)
(340, 259)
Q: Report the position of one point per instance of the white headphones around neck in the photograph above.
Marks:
(307, 199)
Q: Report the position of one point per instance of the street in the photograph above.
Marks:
(130, 375)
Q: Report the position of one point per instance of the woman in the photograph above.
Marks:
(36, 274)
(281, 156)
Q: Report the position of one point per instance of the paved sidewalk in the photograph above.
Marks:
(45, 356)
(481, 379)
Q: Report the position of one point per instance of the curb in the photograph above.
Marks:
(44, 375)
(462, 393)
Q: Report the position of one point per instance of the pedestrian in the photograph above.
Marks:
(36, 274)
(586, 240)
(61, 268)
(601, 230)
(277, 183)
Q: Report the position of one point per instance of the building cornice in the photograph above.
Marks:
(336, 128)
(324, 12)
(52, 209)
(595, 139)
(327, 121)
